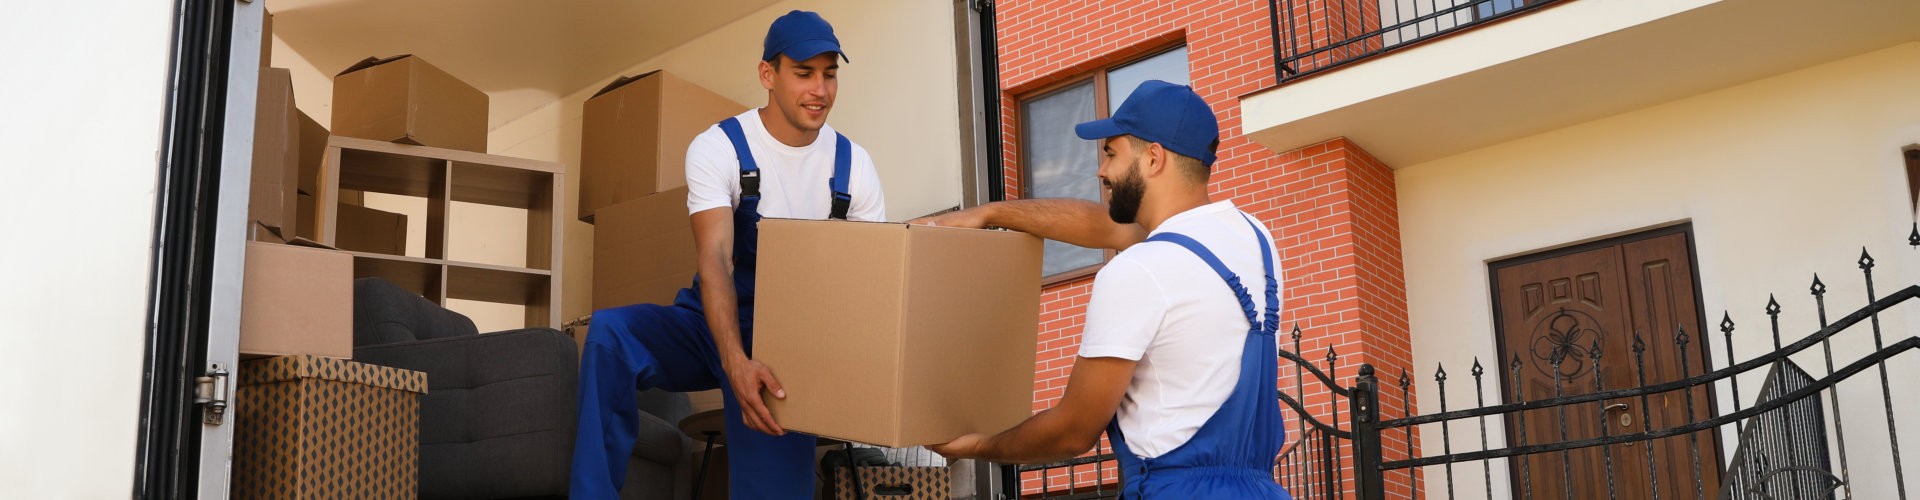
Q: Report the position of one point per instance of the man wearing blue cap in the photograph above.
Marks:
(1188, 417)
(781, 160)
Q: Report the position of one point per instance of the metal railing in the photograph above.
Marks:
(1310, 36)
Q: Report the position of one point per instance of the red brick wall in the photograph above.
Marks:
(1330, 205)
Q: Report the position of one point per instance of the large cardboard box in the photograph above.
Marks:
(313, 428)
(296, 300)
(363, 229)
(643, 251)
(276, 153)
(405, 99)
(897, 335)
(635, 133)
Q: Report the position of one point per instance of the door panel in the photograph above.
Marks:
(1659, 277)
(1564, 305)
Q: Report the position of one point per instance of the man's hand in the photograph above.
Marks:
(967, 446)
(971, 218)
(748, 378)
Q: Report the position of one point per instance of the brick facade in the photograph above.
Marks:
(1331, 205)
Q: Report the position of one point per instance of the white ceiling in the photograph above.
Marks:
(524, 53)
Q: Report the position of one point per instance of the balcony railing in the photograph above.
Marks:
(1310, 36)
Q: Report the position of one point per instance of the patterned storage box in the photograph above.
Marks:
(895, 483)
(316, 427)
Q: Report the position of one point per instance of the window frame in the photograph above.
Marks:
(1098, 75)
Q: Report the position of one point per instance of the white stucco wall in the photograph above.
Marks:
(1781, 178)
(82, 141)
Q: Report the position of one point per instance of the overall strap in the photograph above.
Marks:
(749, 171)
(842, 165)
(1233, 281)
(1273, 285)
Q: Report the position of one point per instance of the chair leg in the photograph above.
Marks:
(706, 458)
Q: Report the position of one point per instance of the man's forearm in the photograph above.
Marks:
(1043, 438)
(1073, 221)
(721, 304)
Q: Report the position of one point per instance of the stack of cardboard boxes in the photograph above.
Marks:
(633, 147)
(310, 421)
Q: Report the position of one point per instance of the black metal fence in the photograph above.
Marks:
(1782, 452)
(1310, 36)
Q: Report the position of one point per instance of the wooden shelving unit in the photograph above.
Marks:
(443, 176)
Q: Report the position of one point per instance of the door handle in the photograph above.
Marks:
(1626, 417)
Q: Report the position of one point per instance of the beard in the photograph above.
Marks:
(1124, 205)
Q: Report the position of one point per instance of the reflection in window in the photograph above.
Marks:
(1062, 165)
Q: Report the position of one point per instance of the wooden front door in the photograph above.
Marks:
(1563, 305)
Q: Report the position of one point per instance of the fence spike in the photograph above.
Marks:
(1913, 238)
(1866, 260)
(1818, 288)
(1476, 370)
(1440, 373)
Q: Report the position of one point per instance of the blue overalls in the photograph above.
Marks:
(643, 346)
(1232, 454)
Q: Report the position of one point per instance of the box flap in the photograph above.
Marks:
(291, 368)
(371, 62)
(622, 81)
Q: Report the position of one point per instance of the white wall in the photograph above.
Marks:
(898, 98)
(1781, 177)
(81, 139)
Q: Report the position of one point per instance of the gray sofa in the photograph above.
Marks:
(499, 415)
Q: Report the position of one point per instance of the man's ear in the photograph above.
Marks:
(766, 75)
(1156, 156)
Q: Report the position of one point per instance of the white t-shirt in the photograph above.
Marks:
(1159, 304)
(793, 180)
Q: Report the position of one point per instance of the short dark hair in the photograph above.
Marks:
(1193, 168)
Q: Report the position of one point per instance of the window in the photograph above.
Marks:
(1058, 164)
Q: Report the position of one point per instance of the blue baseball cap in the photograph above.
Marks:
(801, 35)
(1157, 111)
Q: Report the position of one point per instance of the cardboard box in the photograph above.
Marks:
(266, 40)
(313, 151)
(313, 427)
(363, 229)
(635, 133)
(643, 251)
(261, 233)
(897, 335)
(404, 99)
(296, 300)
(276, 152)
